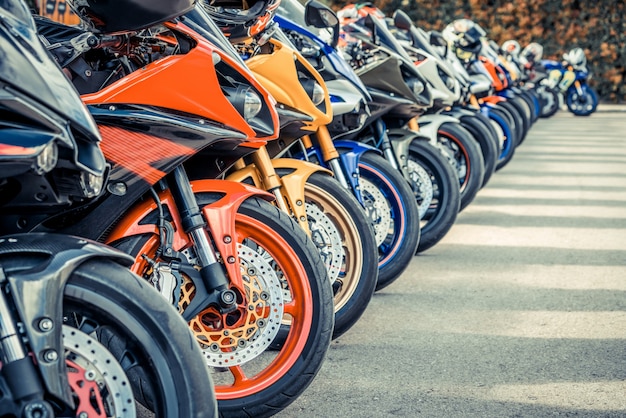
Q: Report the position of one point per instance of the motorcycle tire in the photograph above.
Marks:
(436, 189)
(502, 122)
(358, 269)
(549, 99)
(582, 105)
(524, 111)
(468, 159)
(483, 133)
(533, 103)
(107, 306)
(391, 206)
(518, 120)
(284, 272)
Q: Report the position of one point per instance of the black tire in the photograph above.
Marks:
(397, 240)
(582, 105)
(466, 153)
(502, 120)
(549, 99)
(518, 120)
(357, 281)
(524, 111)
(439, 214)
(275, 377)
(480, 128)
(148, 338)
(532, 101)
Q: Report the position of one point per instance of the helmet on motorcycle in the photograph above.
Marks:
(241, 19)
(464, 37)
(105, 16)
(576, 57)
(511, 47)
(533, 52)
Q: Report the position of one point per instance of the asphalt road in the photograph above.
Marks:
(520, 311)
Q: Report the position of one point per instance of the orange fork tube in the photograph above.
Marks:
(220, 218)
(412, 124)
(474, 101)
(329, 152)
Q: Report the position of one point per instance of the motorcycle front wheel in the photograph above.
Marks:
(391, 206)
(582, 104)
(334, 211)
(463, 150)
(124, 347)
(288, 299)
(436, 190)
(549, 99)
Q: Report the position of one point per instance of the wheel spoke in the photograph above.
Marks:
(291, 307)
(239, 375)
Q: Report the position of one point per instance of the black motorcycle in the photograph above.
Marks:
(80, 335)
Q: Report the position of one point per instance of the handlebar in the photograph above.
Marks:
(105, 41)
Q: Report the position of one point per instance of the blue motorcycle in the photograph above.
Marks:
(570, 78)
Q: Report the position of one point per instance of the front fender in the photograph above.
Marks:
(401, 140)
(430, 124)
(292, 182)
(38, 293)
(219, 215)
(350, 153)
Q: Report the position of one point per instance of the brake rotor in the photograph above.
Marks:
(98, 382)
(233, 338)
(455, 156)
(327, 239)
(377, 209)
(423, 185)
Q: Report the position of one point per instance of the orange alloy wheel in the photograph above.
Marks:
(280, 282)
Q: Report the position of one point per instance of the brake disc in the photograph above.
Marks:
(327, 239)
(234, 338)
(423, 184)
(98, 381)
(377, 208)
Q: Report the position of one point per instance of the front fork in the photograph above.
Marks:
(18, 370)
(214, 286)
(288, 188)
(344, 164)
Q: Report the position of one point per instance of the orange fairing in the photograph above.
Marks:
(277, 72)
(498, 83)
(185, 83)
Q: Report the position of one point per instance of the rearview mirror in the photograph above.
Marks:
(401, 20)
(319, 15)
(437, 39)
(369, 23)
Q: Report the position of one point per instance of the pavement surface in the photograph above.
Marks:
(520, 311)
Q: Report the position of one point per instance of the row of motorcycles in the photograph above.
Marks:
(226, 184)
(558, 82)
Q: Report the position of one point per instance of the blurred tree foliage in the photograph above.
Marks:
(599, 27)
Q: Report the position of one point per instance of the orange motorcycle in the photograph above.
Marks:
(324, 208)
(175, 112)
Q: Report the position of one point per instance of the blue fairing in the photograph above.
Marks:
(339, 64)
(349, 153)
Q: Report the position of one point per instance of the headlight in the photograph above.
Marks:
(245, 100)
(318, 94)
(91, 184)
(252, 105)
(450, 84)
(416, 86)
(47, 158)
(314, 90)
